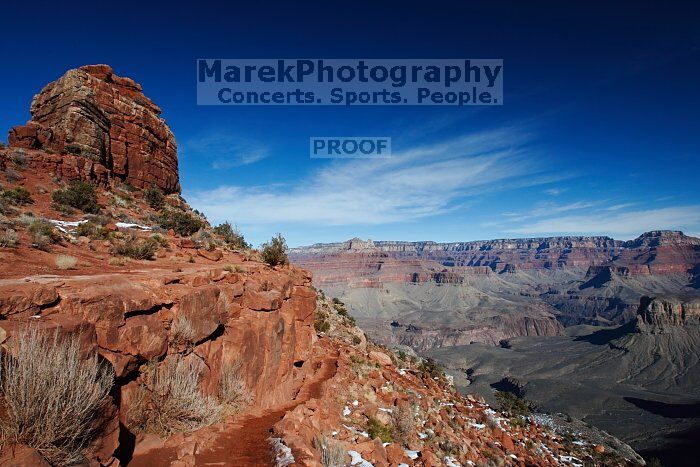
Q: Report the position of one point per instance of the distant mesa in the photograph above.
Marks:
(99, 126)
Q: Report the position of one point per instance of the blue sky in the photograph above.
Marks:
(599, 133)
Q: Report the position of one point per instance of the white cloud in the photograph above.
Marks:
(554, 191)
(224, 150)
(420, 182)
(626, 224)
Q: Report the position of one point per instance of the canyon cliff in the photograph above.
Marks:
(428, 295)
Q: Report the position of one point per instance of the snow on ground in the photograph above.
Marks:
(358, 460)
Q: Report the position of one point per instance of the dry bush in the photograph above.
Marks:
(66, 262)
(171, 400)
(9, 238)
(182, 331)
(120, 261)
(332, 452)
(53, 399)
(43, 234)
(133, 248)
(402, 423)
(232, 389)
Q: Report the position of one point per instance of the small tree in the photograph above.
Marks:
(79, 195)
(274, 252)
(154, 197)
(231, 235)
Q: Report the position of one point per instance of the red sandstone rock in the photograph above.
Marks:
(26, 299)
(214, 255)
(103, 127)
(21, 455)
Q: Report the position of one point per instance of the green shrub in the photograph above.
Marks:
(377, 429)
(511, 404)
(154, 197)
(91, 230)
(182, 223)
(79, 195)
(275, 251)
(136, 249)
(43, 234)
(18, 195)
(231, 235)
(430, 368)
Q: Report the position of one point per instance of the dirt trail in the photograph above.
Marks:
(244, 441)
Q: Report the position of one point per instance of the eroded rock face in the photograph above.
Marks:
(101, 126)
(130, 321)
(668, 311)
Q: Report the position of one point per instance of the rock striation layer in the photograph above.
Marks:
(101, 126)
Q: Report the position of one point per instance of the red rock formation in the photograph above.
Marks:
(101, 126)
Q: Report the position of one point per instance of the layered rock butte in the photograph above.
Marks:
(93, 125)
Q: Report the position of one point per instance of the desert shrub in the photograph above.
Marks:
(117, 261)
(377, 429)
(232, 388)
(430, 368)
(136, 249)
(331, 451)
(511, 404)
(8, 238)
(402, 423)
(12, 175)
(66, 262)
(171, 401)
(181, 331)
(19, 158)
(18, 196)
(160, 240)
(154, 197)
(79, 195)
(43, 234)
(182, 223)
(231, 235)
(321, 323)
(275, 251)
(356, 340)
(53, 398)
(91, 230)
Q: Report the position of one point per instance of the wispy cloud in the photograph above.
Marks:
(554, 191)
(224, 150)
(417, 183)
(625, 224)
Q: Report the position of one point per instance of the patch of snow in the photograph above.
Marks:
(450, 462)
(446, 404)
(385, 410)
(334, 433)
(283, 455)
(411, 454)
(63, 225)
(478, 426)
(346, 411)
(355, 403)
(422, 435)
(513, 456)
(571, 460)
(358, 460)
(126, 225)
